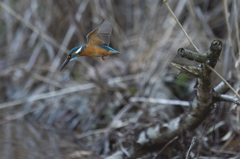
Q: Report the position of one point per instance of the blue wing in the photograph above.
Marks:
(100, 35)
(108, 48)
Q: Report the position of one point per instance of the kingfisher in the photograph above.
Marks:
(97, 44)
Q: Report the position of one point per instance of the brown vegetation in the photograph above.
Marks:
(99, 109)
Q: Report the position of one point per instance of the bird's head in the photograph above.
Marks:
(71, 55)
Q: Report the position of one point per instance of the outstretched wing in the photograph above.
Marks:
(100, 35)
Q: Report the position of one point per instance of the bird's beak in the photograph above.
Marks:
(64, 64)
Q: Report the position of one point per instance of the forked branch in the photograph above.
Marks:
(155, 137)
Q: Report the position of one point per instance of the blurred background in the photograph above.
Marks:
(83, 110)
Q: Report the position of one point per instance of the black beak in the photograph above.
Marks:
(64, 64)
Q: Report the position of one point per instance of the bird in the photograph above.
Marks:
(97, 44)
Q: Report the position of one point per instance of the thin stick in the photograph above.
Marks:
(226, 144)
(180, 25)
(93, 132)
(16, 116)
(227, 21)
(236, 26)
(175, 138)
(198, 50)
(160, 101)
(123, 149)
(228, 27)
(190, 148)
(223, 80)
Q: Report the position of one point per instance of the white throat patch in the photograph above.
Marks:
(79, 50)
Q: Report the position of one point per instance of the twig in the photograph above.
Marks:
(227, 98)
(120, 114)
(223, 80)
(190, 148)
(117, 155)
(99, 131)
(237, 29)
(180, 25)
(215, 127)
(123, 149)
(17, 116)
(227, 21)
(13, 103)
(191, 55)
(166, 145)
(221, 88)
(160, 101)
(226, 144)
(223, 151)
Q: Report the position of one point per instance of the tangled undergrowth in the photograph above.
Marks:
(92, 107)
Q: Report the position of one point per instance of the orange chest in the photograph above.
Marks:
(93, 51)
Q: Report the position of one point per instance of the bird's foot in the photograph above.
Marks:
(103, 55)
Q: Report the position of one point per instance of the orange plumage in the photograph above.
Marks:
(97, 44)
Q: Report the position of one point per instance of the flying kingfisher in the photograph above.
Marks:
(97, 44)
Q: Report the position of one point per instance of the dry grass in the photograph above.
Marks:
(90, 100)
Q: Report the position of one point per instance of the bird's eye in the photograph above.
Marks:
(69, 57)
